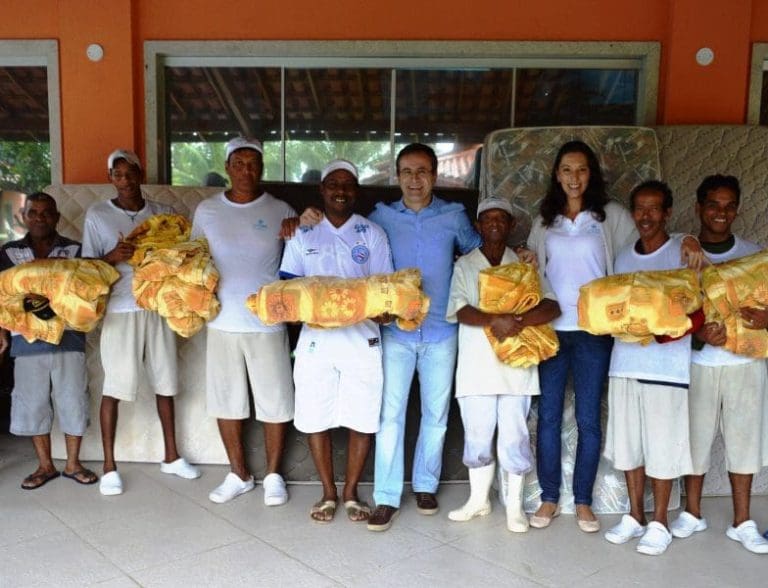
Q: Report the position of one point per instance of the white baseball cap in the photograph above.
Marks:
(242, 143)
(126, 154)
(338, 164)
(494, 202)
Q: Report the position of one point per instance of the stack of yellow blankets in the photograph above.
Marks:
(172, 275)
(76, 289)
(731, 285)
(636, 306)
(515, 288)
(158, 232)
(323, 301)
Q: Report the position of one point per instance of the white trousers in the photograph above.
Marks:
(481, 415)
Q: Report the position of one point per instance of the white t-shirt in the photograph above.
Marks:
(479, 371)
(717, 356)
(246, 249)
(668, 362)
(575, 256)
(357, 249)
(104, 224)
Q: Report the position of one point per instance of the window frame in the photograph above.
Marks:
(758, 68)
(642, 56)
(41, 53)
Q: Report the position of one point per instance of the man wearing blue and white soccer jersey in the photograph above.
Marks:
(338, 372)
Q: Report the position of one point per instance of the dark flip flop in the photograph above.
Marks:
(35, 481)
(90, 477)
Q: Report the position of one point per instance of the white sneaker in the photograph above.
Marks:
(230, 488)
(275, 491)
(686, 525)
(111, 484)
(655, 540)
(182, 468)
(627, 528)
(748, 535)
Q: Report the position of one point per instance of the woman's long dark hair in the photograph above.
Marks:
(595, 197)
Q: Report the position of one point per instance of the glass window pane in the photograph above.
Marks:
(206, 106)
(25, 152)
(552, 97)
(452, 110)
(764, 101)
(337, 112)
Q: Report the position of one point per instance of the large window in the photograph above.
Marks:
(311, 102)
(29, 142)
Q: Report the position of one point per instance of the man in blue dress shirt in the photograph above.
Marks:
(424, 232)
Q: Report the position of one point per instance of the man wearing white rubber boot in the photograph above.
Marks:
(490, 393)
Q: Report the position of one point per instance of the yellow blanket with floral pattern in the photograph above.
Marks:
(731, 285)
(515, 288)
(636, 306)
(172, 275)
(76, 290)
(323, 301)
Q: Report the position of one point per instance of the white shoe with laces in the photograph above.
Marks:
(182, 468)
(655, 540)
(748, 535)
(686, 525)
(626, 529)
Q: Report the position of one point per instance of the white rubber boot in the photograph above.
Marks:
(517, 522)
(478, 505)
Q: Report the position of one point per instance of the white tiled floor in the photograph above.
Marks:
(164, 532)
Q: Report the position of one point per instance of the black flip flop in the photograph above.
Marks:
(44, 479)
(83, 472)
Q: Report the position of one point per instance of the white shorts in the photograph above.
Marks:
(648, 426)
(236, 360)
(733, 399)
(135, 344)
(338, 392)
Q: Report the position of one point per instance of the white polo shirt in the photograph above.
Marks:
(656, 362)
(246, 247)
(357, 249)
(575, 256)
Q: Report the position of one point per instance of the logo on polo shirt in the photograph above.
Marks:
(360, 254)
(260, 225)
(311, 251)
(361, 228)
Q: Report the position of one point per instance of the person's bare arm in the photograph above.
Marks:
(123, 251)
(508, 324)
(712, 333)
(309, 218)
(5, 337)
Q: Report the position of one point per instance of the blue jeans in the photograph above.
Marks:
(435, 363)
(587, 357)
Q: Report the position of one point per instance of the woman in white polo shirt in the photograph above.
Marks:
(575, 237)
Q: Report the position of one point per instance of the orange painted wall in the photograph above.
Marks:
(103, 103)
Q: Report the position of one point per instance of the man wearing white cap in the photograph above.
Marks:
(132, 340)
(491, 394)
(242, 226)
(338, 372)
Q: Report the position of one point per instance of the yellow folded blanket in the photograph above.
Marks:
(515, 288)
(179, 282)
(323, 301)
(731, 285)
(636, 306)
(76, 289)
(159, 231)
